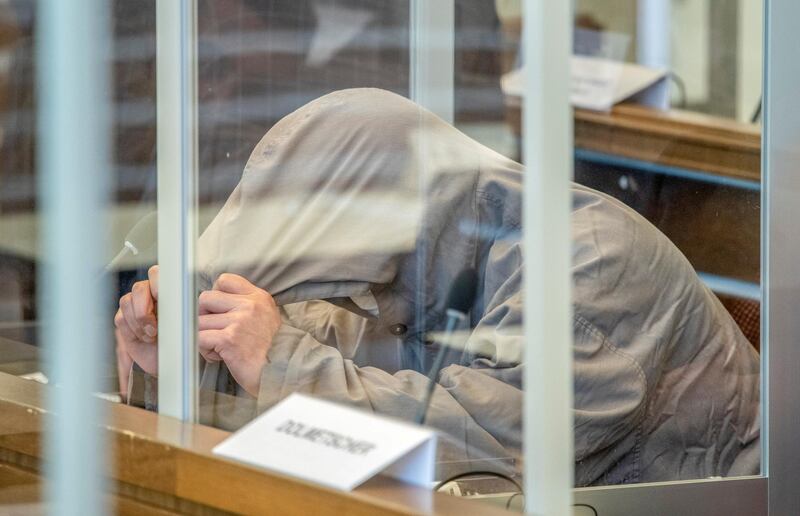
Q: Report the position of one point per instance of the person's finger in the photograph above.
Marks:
(211, 356)
(119, 319)
(126, 305)
(214, 321)
(212, 340)
(126, 309)
(209, 343)
(152, 277)
(122, 327)
(144, 308)
(217, 302)
(233, 284)
(124, 363)
(145, 354)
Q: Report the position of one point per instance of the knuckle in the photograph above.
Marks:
(224, 280)
(264, 297)
(233, 328)
(202, 342)
(141, 290)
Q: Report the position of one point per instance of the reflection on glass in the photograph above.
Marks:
(335, 215)
(353, 215)
(132, 176)
(363, 200)
(705, 197)
(23, 364)
(711, 49)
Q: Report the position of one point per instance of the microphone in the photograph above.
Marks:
(141, 237)
(459, 300)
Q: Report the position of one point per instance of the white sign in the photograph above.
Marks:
(598, 84)
(333, 445)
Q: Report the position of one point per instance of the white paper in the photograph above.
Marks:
(598, 84)
(336, 27)
(333, 445)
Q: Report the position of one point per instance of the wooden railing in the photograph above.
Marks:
(162, 466)
(672, 138)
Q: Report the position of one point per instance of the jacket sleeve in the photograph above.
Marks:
(300, 363)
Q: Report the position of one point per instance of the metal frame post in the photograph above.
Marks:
(74, 149)
(781, 256)
(432, 56)
(176, 25)
(547, 148)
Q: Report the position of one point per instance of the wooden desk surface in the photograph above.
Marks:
(167, 466)
(672, 138)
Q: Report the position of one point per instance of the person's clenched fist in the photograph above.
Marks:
(136, 324)
(236, 325)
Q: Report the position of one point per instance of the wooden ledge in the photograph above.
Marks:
(674, 138)
(167, 466)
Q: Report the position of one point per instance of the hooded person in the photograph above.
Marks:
(357, 211)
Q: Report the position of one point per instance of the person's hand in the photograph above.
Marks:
(237, 323)
(124, 363)
(136, 324)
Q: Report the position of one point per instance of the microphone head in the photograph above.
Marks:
(462, 293)
(143, 234)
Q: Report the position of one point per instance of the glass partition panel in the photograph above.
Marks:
(132, 177)
(77, 228)
(712, 49)
(666, 264)
(354, 246)
(665, 233)
(20, 307)
(665, 229)
(360, 176)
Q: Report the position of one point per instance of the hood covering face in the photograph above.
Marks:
(362, 192)
(344, 198)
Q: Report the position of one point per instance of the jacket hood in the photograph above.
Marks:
(358, 192)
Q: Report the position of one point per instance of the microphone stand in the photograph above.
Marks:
(453, 318)
(127, 248)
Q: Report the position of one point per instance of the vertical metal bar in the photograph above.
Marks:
(547, 147)
(723, 37)
(73, 145)
(176, 22)
(654, 33)
(750, 62)
(431, 80)
(432, 55)
(781, 255)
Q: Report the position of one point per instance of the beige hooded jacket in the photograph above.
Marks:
(357, 211)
